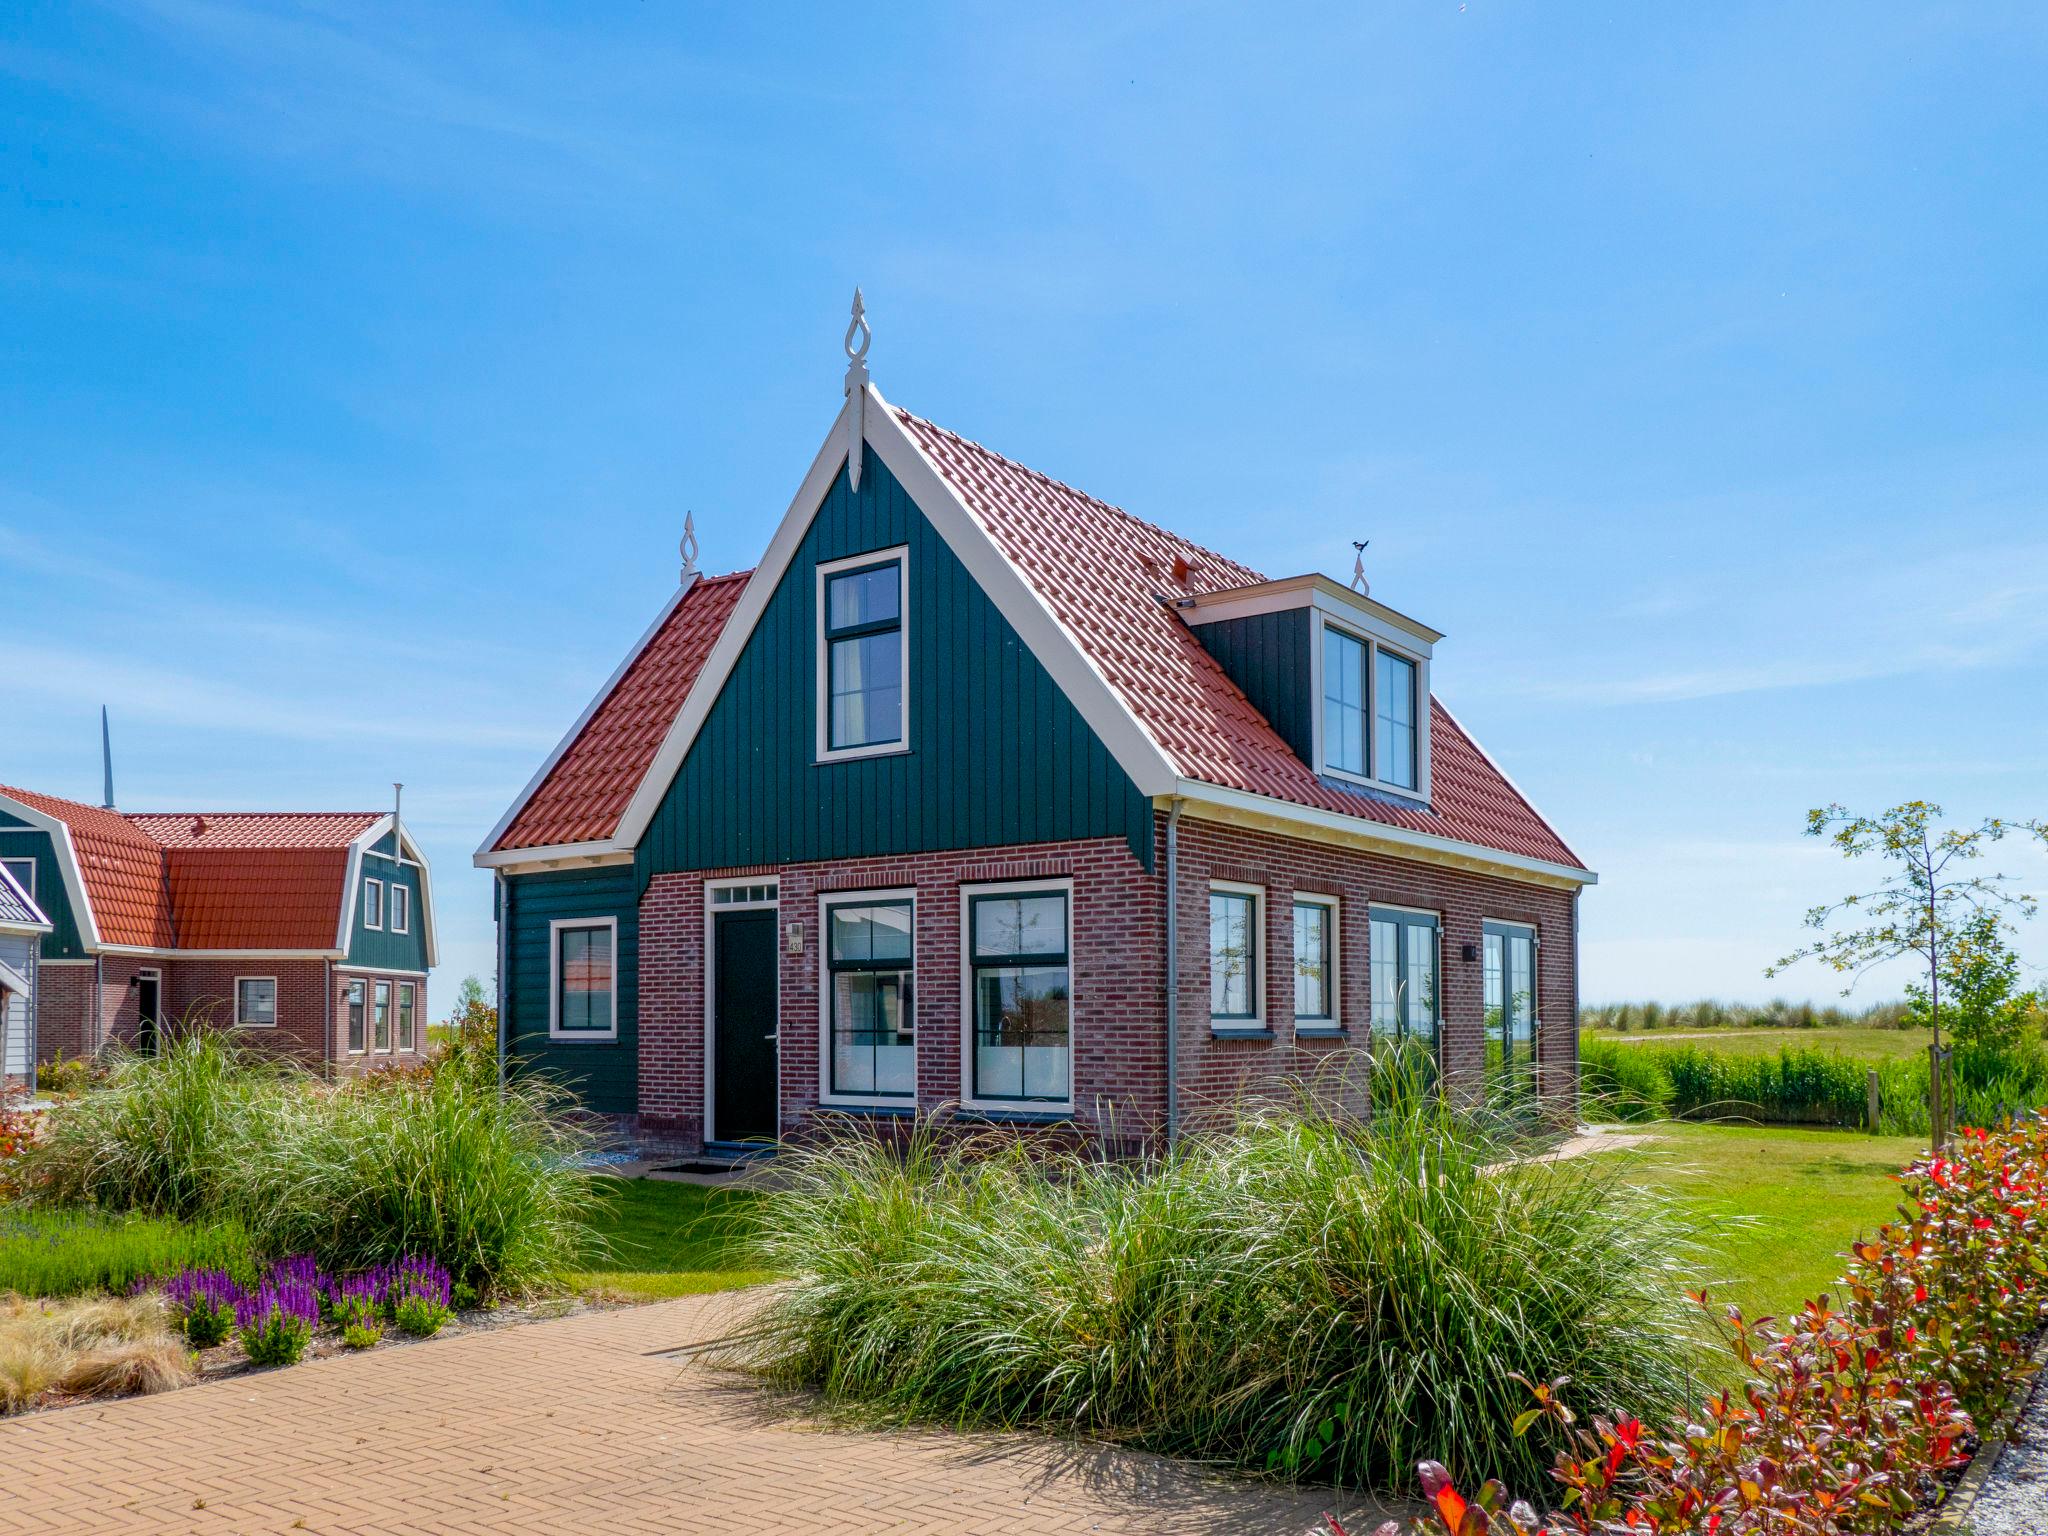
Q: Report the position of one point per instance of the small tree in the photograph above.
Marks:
(1921, 908)
(1980, 986)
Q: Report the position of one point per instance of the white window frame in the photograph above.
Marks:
(15, 859)
(372, 883)
(349, 984)
(827, 753)
(1016, 1106)
(400, 898)
(713, 890)
(242, 1023)
(408, 1003)
(390, 1020)
(826, 901)
(1260, 1020)
(1333, 1022)
(1373, 644)
(555, 1030)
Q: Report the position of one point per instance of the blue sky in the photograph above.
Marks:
(1684, 365)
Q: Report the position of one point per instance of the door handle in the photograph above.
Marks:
(773, 1035)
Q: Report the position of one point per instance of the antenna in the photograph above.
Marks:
(397, 801)
(107, 758)
(857, 383)
(1358, 582)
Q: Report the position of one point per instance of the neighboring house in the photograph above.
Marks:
(22, 926)
(307, 932)
(983, 798)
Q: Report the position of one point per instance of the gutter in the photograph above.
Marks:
(1173, 810)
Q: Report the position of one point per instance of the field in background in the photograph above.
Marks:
(1863, 1043)
(1713, 1014)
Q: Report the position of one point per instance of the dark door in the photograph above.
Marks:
(148, 999)
(743, 1012)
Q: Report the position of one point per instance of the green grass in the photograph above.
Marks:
(71, 1253)
(1872, 1045)
(660, 1239)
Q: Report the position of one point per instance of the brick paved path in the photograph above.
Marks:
(573, 1426)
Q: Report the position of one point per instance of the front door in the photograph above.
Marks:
(743, 1019)
(1511, 1006)
(148, 1001)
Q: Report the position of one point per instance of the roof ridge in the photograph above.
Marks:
(134, 815)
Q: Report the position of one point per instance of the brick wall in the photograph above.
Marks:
(370, 1058)
(203, 991)
(65, 997)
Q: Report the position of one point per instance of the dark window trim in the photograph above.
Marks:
(834, 966)
(892, 625)
(979, 960)
(1327, 1020)
(1251, 975)
(1404, 919)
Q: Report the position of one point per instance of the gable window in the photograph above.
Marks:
(373, 903)
(861, 655)
(1394, 716)
(871, 999)
(1315, 962)
(1404, 979)
(1021, 981)
(1510, 1000)
(1344, 662)
(1235, 961)
(255, 1002)
(24, 872)
(401, 908)
(381, 1017)
(355, 1018)
(583, 979)
(408, 1025)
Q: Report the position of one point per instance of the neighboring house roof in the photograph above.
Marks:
(215, 880)
(581, 791)
(18, 910)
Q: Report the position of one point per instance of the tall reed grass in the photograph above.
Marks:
(1712, 1013)
(1299, 1295)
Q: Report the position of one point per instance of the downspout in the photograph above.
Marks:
(1573, 1028)
(1173, 809)
(504, 990)
(331, 1067)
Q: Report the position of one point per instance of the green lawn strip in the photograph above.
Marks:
(1871, 1045)
(664, 1239)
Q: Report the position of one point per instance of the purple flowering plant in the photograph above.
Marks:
(276, 1321)
(203, 1302)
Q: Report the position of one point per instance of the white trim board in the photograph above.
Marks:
(364, 844)
(67, 866)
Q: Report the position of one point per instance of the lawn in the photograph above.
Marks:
(1778, 1206)
(663, 1239)
(1863, 1044)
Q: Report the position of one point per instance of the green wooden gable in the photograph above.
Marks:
(19, 840)
(380, 948)
(998, 754)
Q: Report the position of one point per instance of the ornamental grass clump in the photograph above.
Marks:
(275, 1322)
(1301, 1295)
(101, 1347)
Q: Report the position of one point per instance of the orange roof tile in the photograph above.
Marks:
(254, 829)
(122, 867)
(587, 790)
(257, 898)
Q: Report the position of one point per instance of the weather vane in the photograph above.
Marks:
(689, 545)
(1358, 582)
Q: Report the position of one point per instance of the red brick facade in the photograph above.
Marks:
(1118, 975)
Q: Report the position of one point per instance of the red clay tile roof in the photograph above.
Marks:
(586, 792)
(1101, 571)
(210, 879)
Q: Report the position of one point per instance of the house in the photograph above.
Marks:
(22, 926)
(981, 798)
(310, 933)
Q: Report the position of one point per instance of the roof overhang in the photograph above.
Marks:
(526, 861)
(68, 868)
(1314, 590)
(13, 981)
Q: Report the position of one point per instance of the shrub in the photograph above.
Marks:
(203, 1302)
(361, 1335)
(64, 1075)
(420, 1316)
(275, 1323)
(1299, 1294)
(356, 1302)
(70, 1252)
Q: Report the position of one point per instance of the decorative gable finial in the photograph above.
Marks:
(857, 383)
(689, 545)
(1358, 582)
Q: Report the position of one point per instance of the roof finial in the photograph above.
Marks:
(1358, 582)
(688, 547)
(857, 384)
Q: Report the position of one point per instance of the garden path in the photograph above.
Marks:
(603, 1422)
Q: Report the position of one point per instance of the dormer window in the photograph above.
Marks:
(1394, 739)
(1344, 664)
(1369, 730)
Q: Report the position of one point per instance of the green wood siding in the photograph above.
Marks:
(1267, 656)
(18, 840)
(605, 1074)
(997, 752)
(381, 949)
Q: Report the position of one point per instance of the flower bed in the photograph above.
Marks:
(1854, 1411)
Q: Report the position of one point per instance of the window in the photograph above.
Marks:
(255, 1002)
(734, 895)
(1394, 737)
(1021, 981)
(860, 617)
(871, 1001)
(381, 1017)
(355, 1018)
(24, 872)
(408, 1036)
(1234, 958)
(1343, 702)
(1404, 986)
(373, 903)
(1315, 962)
(401, 908)
(1511, 1002)
(583, 1001)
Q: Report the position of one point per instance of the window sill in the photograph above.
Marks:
(970, 1114)
(1245, 1031)
(857, 754)
(882, 1111)
(571, 1037)
(1321, 1031)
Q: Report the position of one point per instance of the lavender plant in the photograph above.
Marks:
(276, 1321)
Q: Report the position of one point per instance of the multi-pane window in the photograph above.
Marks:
(1394, 714)
(355, 1017)
(1510, 999)
(1404, 980)
(380, 1017)
(373, 903)
(1022, 982)
(24, 872)
(585, 979)
(408, 1023)
(1233, 956)
(401, 908)
(735, 895)
(1315, 963)
(256, 1002)
(872, 1003)
(864, 657)
(1343, 702)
